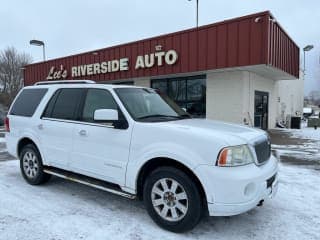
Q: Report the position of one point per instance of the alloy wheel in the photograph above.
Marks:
(169, 199)
(30, 164)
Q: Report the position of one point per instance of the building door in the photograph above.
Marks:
(261, 106)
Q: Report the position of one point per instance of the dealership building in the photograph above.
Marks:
(242, 70)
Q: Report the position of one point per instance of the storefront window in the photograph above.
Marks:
(123, 83)
(177, 90)
(187, 92)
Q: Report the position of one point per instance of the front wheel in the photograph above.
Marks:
(172, 199)
(31, 166)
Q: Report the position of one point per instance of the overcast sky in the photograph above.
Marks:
(75, 26)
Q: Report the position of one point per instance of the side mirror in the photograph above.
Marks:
(105, 115)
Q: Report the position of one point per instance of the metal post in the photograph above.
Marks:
(304, 64)
(305, 49)
(44, 52)
(197, 13)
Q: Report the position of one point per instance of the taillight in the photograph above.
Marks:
(7, 124)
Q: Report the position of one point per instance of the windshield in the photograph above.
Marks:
(147, 105)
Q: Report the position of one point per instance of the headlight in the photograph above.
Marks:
(235, 156)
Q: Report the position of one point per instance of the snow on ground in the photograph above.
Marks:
(304, 133)
(305, 144)
(65, 210)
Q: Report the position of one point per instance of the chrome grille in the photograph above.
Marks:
(263, 150)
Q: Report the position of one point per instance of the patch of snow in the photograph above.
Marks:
(307, 133)
(306, 150)
(304, 133)
(2, 140)
(65, 210)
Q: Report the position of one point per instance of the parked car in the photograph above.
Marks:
(2, 117)
(135, 143)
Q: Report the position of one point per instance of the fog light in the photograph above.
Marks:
(250, 189)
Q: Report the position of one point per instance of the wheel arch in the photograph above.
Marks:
(157, 162)
(23, 142)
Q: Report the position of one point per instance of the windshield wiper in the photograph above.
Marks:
(159, 116)
(185, 116)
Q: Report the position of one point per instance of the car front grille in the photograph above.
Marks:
(263, 151)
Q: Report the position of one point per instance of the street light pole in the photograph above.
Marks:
(44, 52)
(39, 43)
(197, 12)
(305, 49)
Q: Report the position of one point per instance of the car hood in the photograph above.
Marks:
(232, 134)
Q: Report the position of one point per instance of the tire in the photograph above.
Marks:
(31, 166)
(180, 204)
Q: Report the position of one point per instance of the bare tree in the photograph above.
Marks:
(11, 73)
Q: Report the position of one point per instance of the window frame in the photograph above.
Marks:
(120, 113)
(56, 95)
(127, 108)
(36, 106)
(80, 108)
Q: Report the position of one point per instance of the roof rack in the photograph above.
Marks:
(64, 82)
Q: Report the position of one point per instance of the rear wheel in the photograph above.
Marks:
(172, 199)
(31, 165)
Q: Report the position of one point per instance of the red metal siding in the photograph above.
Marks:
(283, 52)
(202, 49)
(249, 40)
(211, 52)
(244, 42)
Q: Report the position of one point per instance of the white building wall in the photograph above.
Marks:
(230, 96)
(224, 98)
(290, 97)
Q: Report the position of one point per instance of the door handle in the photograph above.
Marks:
(83, 132)
(40, 126)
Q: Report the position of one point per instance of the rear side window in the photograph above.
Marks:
(27, 102)
(50, 105)
(64, 104)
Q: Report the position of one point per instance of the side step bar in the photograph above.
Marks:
(89, 181)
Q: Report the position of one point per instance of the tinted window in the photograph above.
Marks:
(50, 105)
(67, 103)
(97, 99)
(187, 92)
(28, 101)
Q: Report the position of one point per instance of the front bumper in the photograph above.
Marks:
(234, 190)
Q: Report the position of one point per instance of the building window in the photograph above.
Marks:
(123, 83)
(188, 92)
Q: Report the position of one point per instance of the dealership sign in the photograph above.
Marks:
(159, 58)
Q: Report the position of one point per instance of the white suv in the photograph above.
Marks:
(137, 143)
